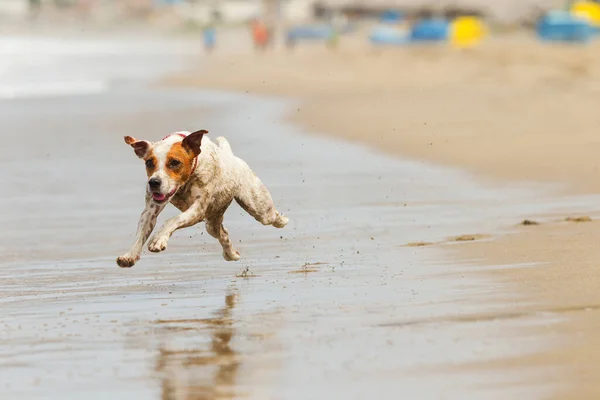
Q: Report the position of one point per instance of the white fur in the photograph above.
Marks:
(219, 178)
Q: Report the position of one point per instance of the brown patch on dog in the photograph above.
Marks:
(151, 163)
(179, 163)
(193, 141)
(140, 147)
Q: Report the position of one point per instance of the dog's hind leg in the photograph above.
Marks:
(215, 228)
(254, 197)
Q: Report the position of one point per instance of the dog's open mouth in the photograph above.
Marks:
(161, 198)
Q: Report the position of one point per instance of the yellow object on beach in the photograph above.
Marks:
(587, 9)
(467, 31)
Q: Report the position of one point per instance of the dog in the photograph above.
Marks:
(201, 178)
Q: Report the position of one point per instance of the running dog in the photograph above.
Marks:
(201, 178)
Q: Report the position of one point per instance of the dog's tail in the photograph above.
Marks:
(223, 143)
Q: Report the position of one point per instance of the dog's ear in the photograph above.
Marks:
(140, 147)
(193, 141)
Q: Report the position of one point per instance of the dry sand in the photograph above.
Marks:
(512, 110)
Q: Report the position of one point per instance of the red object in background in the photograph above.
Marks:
(260, 34)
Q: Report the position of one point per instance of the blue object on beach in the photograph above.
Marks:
(391, 16)
(310, 32)
(430, 30)
(316, 31)
(564, 27)
(386, 35)
(210, 37)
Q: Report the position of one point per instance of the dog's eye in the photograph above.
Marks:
(174, 163)
(149, 164)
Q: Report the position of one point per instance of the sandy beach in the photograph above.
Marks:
(342, 304)
(406, 174)
(511, 111)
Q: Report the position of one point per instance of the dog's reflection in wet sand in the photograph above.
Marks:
(200, 373)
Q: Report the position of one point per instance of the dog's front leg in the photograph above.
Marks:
(190, 217)
(145, 227)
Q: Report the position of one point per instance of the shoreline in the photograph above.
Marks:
(545, 132)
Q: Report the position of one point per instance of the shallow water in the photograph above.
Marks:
(368, 318)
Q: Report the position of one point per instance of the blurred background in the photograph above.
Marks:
(227, 12)
(240, 10)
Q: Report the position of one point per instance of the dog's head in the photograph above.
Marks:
(169, 162)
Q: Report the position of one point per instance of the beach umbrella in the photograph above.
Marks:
(467, 31)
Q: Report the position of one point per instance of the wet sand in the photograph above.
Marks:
(510, 113)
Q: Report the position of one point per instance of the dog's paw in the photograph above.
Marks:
(281, 221)
(231, 255)
(127, 260)
(158, 244)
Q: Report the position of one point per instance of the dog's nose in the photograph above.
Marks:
(154, 183)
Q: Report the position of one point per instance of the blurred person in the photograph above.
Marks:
(210, 37)
(334, 38)
(290, 40)
(338, 21)
(260, 34)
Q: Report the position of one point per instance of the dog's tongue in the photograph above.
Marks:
(158, 196)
